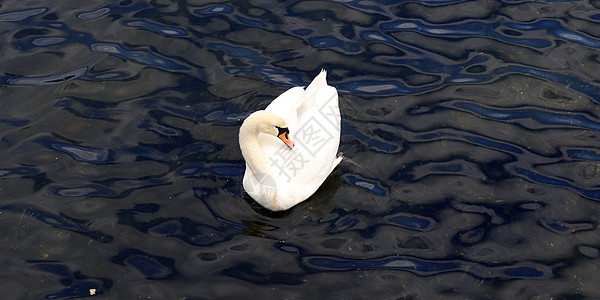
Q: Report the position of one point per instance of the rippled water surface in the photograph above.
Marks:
(470, 131)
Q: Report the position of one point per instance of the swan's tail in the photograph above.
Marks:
(341, 155)
(335, 163)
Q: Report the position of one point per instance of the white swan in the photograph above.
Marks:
(291, 147)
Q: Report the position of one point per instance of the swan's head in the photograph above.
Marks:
(268, 123)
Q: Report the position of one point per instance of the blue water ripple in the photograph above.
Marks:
(240, 52)
(302, 32)
(233, 226)
(174, 109)
(117, 9)
(197, 147)
(543, 117)
(346, 223)
(557, 29)
(158, 28)
(183, 229)
(524, 172)
(77, 284)
(77, 290)
(463, 30)
(140, 56)
(561, 227)
(66, 36)
(570, 81)
(233, 50)
(42, 216)
(387, 87)
(95, 14)
(90, 190)
(545, 1)
(382, 146)
(151, 266)
(424, 267)
(80, 153)
(249, 22)
(279, 76)
(370, 6)
(466, 79)
(270, 74)
(476, 139)
(16, 122)
(167, 228)
(108, 76)
(367, 185)
(60, 270)
(47, 41)
(194, 169)
(524, 272)
(160, 129)
(215, 9)
(536, 177)
(19, 171)
(225, 118)
(429, 65)
(493, 144)
(554, 226)
(333, 42)
(586, 155)
(204, 235)
(46, 80)
(370, 35)
(58, 221)
(410, 221)
(374, 143)
(21, 15)
(379, 87)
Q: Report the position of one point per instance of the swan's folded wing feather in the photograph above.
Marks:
(311, 99)
(316, 168)
(319, 81)
(286, 106)
(251, 183)
(318, 141)
(286, 101)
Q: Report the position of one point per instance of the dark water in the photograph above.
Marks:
(471, 131)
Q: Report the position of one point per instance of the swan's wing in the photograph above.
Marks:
(319, 81)
(263, 191)
(284, 102)
(286, 106)
(310, 99)
(318, 139)
(293, 103)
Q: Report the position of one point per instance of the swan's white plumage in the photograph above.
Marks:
(276, 176)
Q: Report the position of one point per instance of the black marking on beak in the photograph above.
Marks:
(283, 130)
(284, 136)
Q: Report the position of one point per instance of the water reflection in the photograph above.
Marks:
(428, 268)
(469, 131)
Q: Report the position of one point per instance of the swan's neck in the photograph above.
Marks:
(252, 151)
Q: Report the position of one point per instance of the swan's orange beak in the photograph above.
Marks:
(284, 135)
